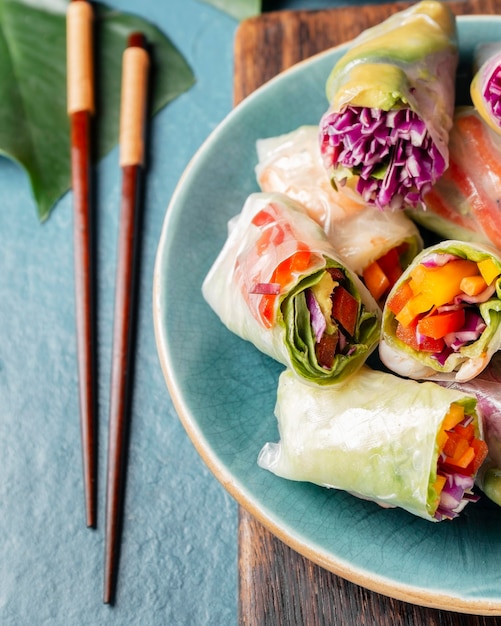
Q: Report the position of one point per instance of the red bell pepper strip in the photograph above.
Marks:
(344, 309)
(438, 325)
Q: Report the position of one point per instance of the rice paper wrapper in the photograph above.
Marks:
(485, 88)
(470, 359)
(391, 103)
(292, 164)
(272, 232)
(377, 445)
(464, 202)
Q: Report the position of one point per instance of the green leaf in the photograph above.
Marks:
(239, 9)
(34, 124)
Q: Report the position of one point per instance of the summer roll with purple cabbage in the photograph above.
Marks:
(391, 104)
(485, 88)
(377, 245)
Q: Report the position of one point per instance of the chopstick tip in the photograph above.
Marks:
(136, 40)
(109, 587)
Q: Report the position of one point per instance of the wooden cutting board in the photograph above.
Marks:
(270, 43)
(277, 586)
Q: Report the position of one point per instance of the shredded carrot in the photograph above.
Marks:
(464, 460)
(376, 280)
(473, 285)
(455, 447)
(463, 452)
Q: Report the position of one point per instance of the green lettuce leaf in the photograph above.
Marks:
(300, 341)
(34, 125)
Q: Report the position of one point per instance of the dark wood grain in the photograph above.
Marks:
(278, 586)
(267, 44)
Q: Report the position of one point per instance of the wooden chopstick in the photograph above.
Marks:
(135, 67)
(80, 106)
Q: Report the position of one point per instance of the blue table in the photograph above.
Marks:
(179, 551)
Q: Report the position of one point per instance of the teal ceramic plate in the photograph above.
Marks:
(224, 389)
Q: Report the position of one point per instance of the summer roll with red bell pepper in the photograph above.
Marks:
(442, 319)
(391, 103)
(417, 446)
(485, 88)
(377, 245)
(465, 203)
(279, 284)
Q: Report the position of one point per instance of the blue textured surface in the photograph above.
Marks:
(179, 552)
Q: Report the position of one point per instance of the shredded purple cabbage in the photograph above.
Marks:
(391, 151)
(456, 494)
(319, 326)
(317, 318)
(473, 327)
(438, 259)
(492, 93)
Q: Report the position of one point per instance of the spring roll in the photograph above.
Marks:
(279, 284)
(391, 104)
(465, 203)
(485, 88)
(416, 446)
(377, 245)
(442, 319)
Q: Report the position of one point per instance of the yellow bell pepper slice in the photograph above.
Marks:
(489, 270)
(441, 284)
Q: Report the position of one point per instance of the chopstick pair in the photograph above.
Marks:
(135, 67)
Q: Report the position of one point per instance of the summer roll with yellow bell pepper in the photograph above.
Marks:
(391, 103)
(417, 446)
(377, 245)
(279, 283)
(442, 319)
